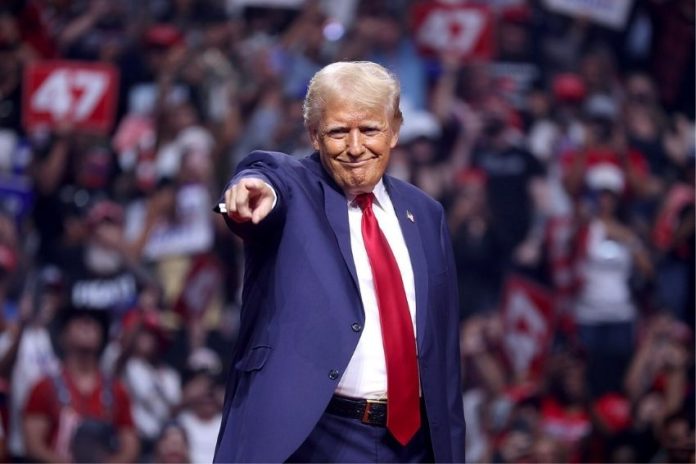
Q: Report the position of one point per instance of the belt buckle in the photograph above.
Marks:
(368, 410)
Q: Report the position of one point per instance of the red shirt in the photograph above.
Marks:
(43, 401)
(565, 425)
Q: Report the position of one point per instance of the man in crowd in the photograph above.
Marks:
(348, 346)
(80, 401)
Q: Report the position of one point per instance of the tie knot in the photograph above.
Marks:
(364, 200)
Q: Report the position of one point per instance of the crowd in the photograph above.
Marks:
(563, 154)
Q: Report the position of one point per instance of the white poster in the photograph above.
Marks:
(610, 13)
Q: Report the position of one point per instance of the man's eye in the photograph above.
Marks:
(336, 134)
(371, 131)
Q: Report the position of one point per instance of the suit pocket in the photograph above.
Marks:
(254, 360)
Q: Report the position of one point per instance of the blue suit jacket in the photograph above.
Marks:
(300, 303)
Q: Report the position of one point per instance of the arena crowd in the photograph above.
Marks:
(561, 145)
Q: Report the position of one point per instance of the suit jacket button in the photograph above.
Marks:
(333, 374)
(356, 327)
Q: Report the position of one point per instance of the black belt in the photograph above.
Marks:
(373, 412)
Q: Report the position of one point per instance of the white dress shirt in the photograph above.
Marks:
(366, 374)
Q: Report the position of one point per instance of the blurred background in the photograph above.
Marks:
(558, 135)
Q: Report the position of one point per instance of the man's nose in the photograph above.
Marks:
(355, 143)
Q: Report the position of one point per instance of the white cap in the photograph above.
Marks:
(605, 176)
(418, 124)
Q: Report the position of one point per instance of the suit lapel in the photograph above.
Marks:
(412, 237)
(336, 210)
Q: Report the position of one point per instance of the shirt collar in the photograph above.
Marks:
(380, 193)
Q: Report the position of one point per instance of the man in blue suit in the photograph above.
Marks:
(348, 348)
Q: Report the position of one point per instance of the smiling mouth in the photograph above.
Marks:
(355, 163)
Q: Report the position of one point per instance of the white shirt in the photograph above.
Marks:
(605, 295)
(154, 390)
(366, 374)
(202, 436)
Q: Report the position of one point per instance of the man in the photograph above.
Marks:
(79, 413)
(348, 347)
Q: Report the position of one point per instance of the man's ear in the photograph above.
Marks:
(314, 137)
(394, 135)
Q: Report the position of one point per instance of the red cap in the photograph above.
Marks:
(614, 411)
(569, 87)
(8, 258)
(518, 14)
(471, 177)
(163, 35)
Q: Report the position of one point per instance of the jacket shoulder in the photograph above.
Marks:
(415, 194)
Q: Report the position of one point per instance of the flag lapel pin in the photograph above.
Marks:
(410, 217)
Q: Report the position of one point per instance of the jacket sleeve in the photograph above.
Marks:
(457, 426)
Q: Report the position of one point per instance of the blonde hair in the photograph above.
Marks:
(360, 82)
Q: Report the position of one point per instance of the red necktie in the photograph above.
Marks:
(403, 410)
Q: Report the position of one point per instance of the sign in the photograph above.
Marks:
(609, 13)
(73, 92)
(16, 195)
(514, 80)
(203, 279)
(463, 29)
(528, 325)
(294, 4)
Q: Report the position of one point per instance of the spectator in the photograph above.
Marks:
(71, 171)
(609, 253)
(511, 172)
(475, 246)
(172, 445)
(201, 414)
(379, 37)
(26, 351)
(98, 272)
(677, 439)
(605, 143)
(565, 410)
(79, 399)
(154, 387)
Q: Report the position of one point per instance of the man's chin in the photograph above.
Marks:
(356, 188)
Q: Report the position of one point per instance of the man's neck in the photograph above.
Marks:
(81, 365)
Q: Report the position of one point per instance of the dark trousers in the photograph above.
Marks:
(340, 439)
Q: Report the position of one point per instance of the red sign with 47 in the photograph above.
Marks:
(77, 93)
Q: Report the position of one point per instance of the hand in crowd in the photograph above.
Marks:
(528, 252)
(249, 200)
(161, 205)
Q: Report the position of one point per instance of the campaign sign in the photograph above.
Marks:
(77, 93)
(610, 13)
(528, 324)
(202, 281)
(463, 29)
(16, 195)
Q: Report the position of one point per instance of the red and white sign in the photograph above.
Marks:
(77, 93)
(202, 281)
(454, 27)
(528, 324)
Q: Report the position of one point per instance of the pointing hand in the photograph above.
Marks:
(250, 199)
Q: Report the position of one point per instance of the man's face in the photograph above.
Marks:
(83, 334)
(354, 143)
